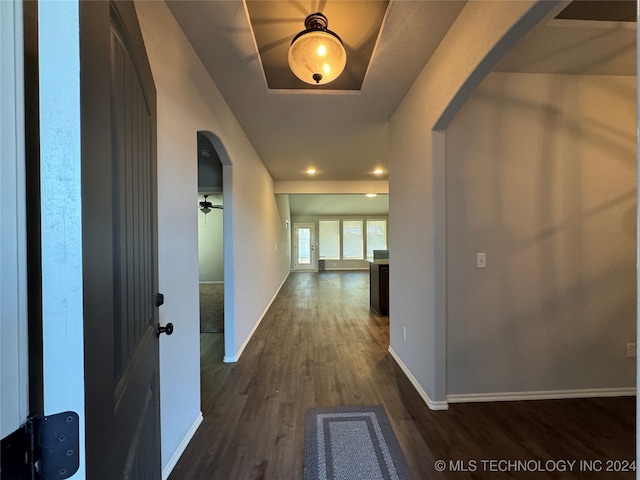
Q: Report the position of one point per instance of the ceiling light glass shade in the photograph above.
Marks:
(316, 55)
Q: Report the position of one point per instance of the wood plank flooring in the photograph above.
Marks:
(319, 345)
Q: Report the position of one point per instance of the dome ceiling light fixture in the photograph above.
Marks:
(316, 55)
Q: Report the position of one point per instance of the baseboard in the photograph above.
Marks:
(333, 269)
(343, 269)
(166, 471)
(236, 357)
(215, 282)
(430, 403)
(541, 395)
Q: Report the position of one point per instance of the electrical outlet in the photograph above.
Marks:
(404, 333)
(481, 260)
(631, 350)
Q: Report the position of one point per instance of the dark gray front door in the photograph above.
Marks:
(119, 245)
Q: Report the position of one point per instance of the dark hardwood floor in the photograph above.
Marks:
(319, 345)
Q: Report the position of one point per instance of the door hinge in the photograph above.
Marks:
(44, 448)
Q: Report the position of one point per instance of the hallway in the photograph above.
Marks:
(319, 345)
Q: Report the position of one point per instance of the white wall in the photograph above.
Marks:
(188, 102)
(541, 175)
(478, 38)
(290, 187)
(210, 242)
(284, 209)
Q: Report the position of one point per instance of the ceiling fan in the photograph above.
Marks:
(206, 205)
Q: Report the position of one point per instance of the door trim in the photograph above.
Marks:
(15, 390)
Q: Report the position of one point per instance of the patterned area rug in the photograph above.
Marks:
(351, 443)
(211, 307)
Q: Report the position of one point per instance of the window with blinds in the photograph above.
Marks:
(376, 236)
(329, 240)
(352, 240)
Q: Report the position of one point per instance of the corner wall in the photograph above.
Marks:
(189, 102)
(483, 32)
(284, 209)
(541, 176)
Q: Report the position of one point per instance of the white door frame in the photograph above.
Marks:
(14, 394)
(60, 228)
(312, 265)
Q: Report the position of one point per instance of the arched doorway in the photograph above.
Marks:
(217, 235)
(210, 238)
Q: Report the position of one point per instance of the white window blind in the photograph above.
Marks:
(329, 239)
(376, 236)
(352, 240)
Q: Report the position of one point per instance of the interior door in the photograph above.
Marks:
(304, 246)
(119, 245)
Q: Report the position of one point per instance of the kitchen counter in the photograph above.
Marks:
(379, 286)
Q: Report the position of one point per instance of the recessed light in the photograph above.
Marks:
(378, 171)
(312, 171)
(371, 195)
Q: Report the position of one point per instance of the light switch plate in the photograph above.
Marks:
(631, 350)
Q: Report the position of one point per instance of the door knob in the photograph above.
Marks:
(168, 329)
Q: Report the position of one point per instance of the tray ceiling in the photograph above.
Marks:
(275, 23)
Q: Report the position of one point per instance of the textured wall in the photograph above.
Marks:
(189, 102)
(541, 175)
(478, 38)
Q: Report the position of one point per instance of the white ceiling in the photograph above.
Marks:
(276, 22)
(344, 134)
(576, 47)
